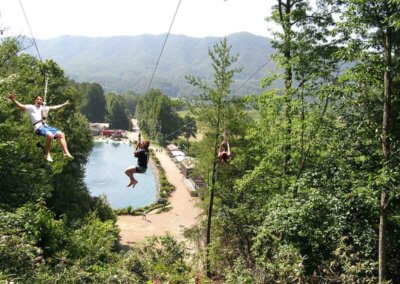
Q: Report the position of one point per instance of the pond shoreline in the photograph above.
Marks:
(104, 174)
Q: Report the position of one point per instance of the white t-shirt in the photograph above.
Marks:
(36, 114)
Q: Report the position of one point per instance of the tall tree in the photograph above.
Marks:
(156, 116)
(119, 118)
(95, 108)
(213, 103)
(24, 175)
(369, 28)
(305, 58)
(131, 101)
(189, 128)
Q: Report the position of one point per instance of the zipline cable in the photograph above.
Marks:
(179, 129)
(30, 29)
(37, 50)
(235, 91)
(162, 49)
(254, 74)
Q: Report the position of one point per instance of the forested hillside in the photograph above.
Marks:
(122, 64)
(51, 229)
(309, 193)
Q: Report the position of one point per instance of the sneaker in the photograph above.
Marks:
(48, 159)
(68, 156)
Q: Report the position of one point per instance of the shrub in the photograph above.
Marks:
(94, 241)
(103, 209)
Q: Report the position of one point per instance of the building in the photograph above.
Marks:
(96, 128)
(193, 184)
(170, 148)
(186, 166)
(107, 132)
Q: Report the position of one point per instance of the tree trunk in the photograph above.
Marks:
(284, 12)
(209, 216)
(386, 152)
(211, 202)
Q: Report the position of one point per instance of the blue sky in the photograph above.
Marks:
(197, 18)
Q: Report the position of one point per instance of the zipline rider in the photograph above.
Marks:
(37, 113)
(142, 154)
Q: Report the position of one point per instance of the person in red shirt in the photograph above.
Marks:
(224, 151)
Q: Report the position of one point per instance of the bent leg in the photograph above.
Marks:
(129, 172)
(63, 143)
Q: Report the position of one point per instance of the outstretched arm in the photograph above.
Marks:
(58, 106)
(12, 97)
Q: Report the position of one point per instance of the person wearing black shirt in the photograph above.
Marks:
(142, 154)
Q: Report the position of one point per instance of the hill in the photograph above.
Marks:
(126, 63)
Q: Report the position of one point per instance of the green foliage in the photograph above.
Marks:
(189, 128)
(25, 175)
(43, 229)
(183, 144)
(156, 116)
(95, 103)
(131, 102)
(18, 253)
(163, 260)
(103, 209)
(93, 242)
(118, 113)
(239, 274)
(299, 201)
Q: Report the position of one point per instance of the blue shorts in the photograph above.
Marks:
(45, 129)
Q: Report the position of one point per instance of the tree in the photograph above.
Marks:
(119, 118)
(369, 30)
(25, 176)
(131, 101)
(95, 108)
(190, 127)
(157, 117)
(212, 105)
(305, 57)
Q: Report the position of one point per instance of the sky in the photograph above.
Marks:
(98, 18)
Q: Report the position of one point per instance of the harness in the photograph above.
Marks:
(44, 112)
(38, 122)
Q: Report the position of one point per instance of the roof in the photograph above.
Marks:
(179, 158)
(188, 163)
(172, 147)
(176, 153)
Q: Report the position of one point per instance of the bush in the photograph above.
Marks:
(103, 209)
(94, 241)
(239, 274)
(162, 201)
(160, 259)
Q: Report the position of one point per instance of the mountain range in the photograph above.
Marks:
(126, 63)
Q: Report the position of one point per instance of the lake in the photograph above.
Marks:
(105, 174)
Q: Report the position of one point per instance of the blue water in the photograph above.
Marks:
(105, 174)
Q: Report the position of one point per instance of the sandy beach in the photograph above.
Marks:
(184, 212)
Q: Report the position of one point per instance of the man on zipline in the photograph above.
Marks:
(36, 112)
(142, 153)
(224, 151)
